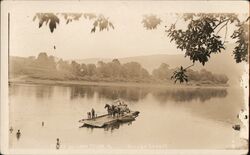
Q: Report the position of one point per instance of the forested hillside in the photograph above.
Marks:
(47, 67)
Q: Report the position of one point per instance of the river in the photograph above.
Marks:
(170, 118)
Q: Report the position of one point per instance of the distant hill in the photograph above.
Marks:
(222, 63)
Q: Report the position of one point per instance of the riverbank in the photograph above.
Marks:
(116, 84)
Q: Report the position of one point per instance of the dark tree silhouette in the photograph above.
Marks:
(69, 17)
(46, 18)
(200, 38)
(101, 22)
(180, 75)
(242, 35)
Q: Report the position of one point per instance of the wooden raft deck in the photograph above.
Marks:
(107, 119)
(100, 121)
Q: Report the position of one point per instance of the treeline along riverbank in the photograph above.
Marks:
(44, 67)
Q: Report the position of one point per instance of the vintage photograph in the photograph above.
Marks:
(122, 77)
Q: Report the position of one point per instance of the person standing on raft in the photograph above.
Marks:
(93, 113)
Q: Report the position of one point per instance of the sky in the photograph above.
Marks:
(128, 39)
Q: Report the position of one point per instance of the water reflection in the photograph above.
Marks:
(130, 94)
(112, 93)
(82, 92)
(110, 127)
(40, 91)
(135, 94)
(115, 126)
(44, 91)
(183, 95)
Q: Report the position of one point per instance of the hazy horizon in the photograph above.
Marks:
(100, 57)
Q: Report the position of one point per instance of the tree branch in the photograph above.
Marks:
(222, 27)
(247, 18)
(225, 35)
(221, 23)
(189, 66)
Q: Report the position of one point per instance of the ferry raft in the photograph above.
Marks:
(107, 120)
(118, 112)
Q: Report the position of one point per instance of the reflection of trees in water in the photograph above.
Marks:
(40, 91)
(112, 93)
(185, 95)
(14, 89)
(44, 91)
(124, 93)
(131, 94)
(81, 91)
(135, 94)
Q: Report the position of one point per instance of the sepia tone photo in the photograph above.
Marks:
(124, 77)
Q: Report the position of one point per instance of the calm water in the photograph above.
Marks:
(170, 118)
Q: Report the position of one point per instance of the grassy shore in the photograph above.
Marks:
(116, 84)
